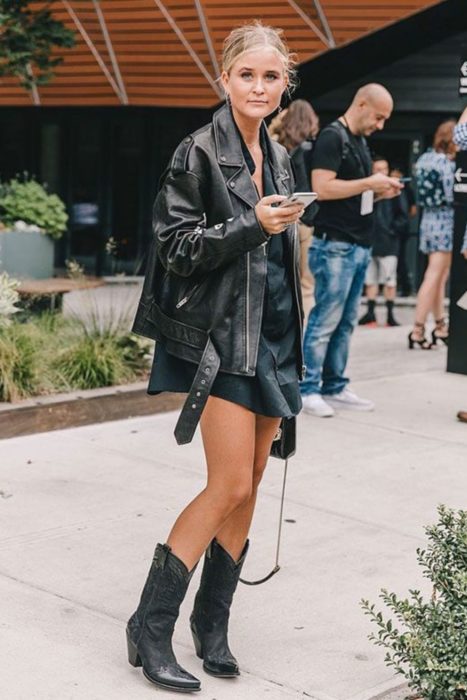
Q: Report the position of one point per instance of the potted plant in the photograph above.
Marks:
(30, 220)
(427, 640)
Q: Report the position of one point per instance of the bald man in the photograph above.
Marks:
(339, 256)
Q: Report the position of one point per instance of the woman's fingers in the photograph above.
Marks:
(272, 199)
(275, 219)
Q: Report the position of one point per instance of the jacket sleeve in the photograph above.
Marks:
(184, 244)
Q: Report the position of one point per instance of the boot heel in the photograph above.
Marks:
(197, 643)
(133, 657)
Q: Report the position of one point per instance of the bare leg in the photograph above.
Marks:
(438, 305)
(228, 432)
(233, 533)
(371, 290)
(389, 293)
(429, 291)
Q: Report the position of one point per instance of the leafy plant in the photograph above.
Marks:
(431, 648)
(94, 362)
(28, 201)
(28, 40)
(9, 297)
(19, 376)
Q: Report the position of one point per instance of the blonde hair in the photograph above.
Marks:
(256, 35)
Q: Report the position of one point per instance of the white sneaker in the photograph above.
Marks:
(347, 399)
(315, 405)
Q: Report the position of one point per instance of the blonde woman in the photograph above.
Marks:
(222, 299)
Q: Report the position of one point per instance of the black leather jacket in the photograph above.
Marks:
(204, 287)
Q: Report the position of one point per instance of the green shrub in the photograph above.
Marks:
(92, 362)
(9, 297)
(48, 353)
(29, 201)
(431, 648)
(19, 376)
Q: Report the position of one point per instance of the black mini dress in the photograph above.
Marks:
(274, 390)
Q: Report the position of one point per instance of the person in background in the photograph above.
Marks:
(340, 252)
(390, 220)
(297, 131)
(408, 204)
(435, 182)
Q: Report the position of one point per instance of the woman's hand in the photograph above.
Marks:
(276, 219)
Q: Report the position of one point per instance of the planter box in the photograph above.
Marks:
(26, 254)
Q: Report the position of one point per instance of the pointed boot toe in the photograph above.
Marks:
(221, 668)
(173, 678)
(210, 617)
(150, 629)
(218, 660)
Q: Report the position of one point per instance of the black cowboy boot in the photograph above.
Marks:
(150, 628)
(210, 617)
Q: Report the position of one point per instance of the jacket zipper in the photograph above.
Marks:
(247, 312)
(187, 298)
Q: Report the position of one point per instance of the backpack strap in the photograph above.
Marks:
(338, 127)
(347, 145)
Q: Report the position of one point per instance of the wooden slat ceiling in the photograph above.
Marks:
(166, 52)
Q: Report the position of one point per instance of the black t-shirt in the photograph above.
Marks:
(339, 150)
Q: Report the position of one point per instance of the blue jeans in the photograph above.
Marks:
(339, 272)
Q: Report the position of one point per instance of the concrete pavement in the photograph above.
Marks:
(81, 510)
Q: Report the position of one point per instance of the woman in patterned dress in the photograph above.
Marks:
(436, 234)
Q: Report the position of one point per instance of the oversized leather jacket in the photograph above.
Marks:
(206, 271)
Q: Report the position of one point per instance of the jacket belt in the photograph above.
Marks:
(204, 377)
(198, 394)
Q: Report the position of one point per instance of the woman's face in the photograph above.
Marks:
(255, 83)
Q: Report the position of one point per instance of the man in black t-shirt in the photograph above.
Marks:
(341, 175)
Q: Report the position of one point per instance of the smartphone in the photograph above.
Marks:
(405, 179)
(305, 198)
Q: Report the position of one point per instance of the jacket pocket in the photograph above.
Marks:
(188, 296)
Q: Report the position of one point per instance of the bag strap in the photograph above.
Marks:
(279, 533)
(348, 146)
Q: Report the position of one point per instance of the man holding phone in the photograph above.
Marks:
(339, 256)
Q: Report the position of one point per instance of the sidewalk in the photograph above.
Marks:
(81, 511)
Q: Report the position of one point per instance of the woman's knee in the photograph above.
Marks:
(232, 496)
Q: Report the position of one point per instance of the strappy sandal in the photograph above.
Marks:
(441, 325)
(422, 342)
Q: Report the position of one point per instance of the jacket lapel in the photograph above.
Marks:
(230, 157)
(234, 169)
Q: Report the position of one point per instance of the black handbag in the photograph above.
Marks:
(283, 446)
(284, 443)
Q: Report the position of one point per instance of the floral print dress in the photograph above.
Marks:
(437, 224)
